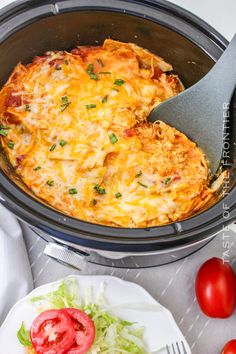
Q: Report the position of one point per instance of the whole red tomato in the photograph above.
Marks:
(216, 288)
(230, 347)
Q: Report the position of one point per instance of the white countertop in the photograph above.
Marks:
(220, 14)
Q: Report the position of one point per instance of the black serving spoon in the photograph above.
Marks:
(199, 111)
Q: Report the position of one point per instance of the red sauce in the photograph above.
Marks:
(129, 132)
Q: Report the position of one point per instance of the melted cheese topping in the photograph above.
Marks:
(77, 135)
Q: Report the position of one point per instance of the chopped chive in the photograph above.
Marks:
(64, 99)
(11, 144)
(167, 180)
(113, 138)
(98, 189)
(119, 82)
(50, 182)
(105, 72)
(53, 147)
(65, 103)
(3, 132)
(93, 76)
(138, 174)
(73, 191)
(90, 71)
(100, 62)
(27, 108)
(90, 68)
(4, 127)
(94, 201)
(91, 105)
(62, 142)
(104, 100)
(143, 185)
(37, 168)
(118, 195)
(66, 62)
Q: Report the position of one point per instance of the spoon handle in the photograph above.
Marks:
(222, 77)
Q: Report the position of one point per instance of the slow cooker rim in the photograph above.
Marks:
(11, 8)
(15, 7)
(101, 230)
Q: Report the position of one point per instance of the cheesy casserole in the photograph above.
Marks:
(73, 125)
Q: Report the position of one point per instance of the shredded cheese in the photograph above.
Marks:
(145, 175)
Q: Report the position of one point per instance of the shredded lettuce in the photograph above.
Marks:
(113, 335)
(66, 295)
(23, 336)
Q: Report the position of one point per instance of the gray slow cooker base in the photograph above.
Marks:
(77, 257)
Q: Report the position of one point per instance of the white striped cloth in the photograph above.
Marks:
(15, 273)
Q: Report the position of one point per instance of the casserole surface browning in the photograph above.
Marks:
(73, 125)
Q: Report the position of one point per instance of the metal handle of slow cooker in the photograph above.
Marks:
(65, 256)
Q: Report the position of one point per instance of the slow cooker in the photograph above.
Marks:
(31, 27)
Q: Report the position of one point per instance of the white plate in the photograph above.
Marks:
(159, 324)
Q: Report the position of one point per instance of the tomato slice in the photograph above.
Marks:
(84, 331)
(52, 332)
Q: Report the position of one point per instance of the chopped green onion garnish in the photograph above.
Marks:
(118, 195)
(99, 190)
(53, 147)
(65, 103)
(167, 180)
(62, 142)
(90, 68)
(138, 174)
(113, 138)
(37, 168)
(104, 100)
(91, 73)
(119, 82)
(105, 72)
(11, 144)
(73, 191)
(91, 105)
(50, 183)
(100, 62)
(4, 127)
(3, 132)
(64, 99)
(143, 185)
(27, 108)
(93, 76)
(94, 202)
(66, 62)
